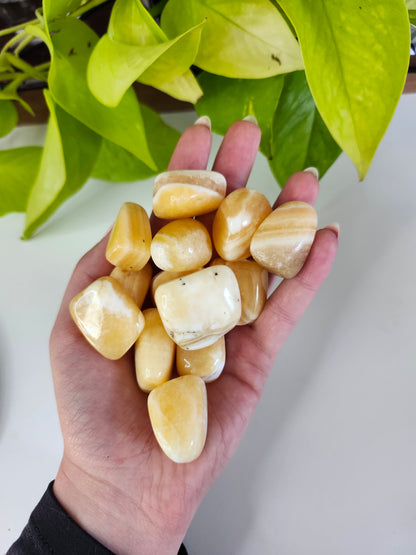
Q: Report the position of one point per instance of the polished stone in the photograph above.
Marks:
(282, 242)
(207, 363)
(199, 308)
(154, 352)
(107, 317)
(128, 246)
(181, 245)
(178, 414)
(187, 193)
(236, 220)
(253, 283)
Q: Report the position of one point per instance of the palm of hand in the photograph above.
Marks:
(106, 429)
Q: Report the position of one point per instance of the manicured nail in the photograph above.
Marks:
(334, 227)
(204, 120)
(313, 171)
(251, 119)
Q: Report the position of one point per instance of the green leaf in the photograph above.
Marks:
(293, 134)
(412, 17)
(72, 42)
(242, 39)
(18, 167)
(55, 8)
(356, 57)
(69, 155)
(299, 137)
(8, 117)
(122, 56)
(10, 93)
(131, 23)
(114, 163)
(227, 100)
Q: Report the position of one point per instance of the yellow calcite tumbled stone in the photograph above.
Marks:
(199, 308)
(282, 242)
(129, 243)
(154, 352)
(187, 193)
(207, 363)
(163, 277)
(136, 284)
(235, 222)
(181, 245)
(107, 317)
(178, 414)
(253, 281)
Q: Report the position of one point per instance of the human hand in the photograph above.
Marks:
(114, 480)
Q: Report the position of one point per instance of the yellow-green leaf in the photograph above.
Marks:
(56, 8)
(8, 117)
(243, 39)
(18, 168)
(356, 56)
(69, 154)
(72, 42)
(116, 164)
(136, 49)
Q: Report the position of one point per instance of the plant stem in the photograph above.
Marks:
(23, 43)
(11, 42)
(10, 30)
(26, 68)
(87, 7)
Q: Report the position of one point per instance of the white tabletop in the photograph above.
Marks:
(327, 466)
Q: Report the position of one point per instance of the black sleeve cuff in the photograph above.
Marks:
(51, 530)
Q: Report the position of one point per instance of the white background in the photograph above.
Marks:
(328, 465)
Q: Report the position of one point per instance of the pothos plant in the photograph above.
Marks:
(320, 77)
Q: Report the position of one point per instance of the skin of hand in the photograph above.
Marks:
(113, 479)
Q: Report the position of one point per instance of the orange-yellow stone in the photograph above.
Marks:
(154, 352)
(136, 284)
(187, 193)
(107, 317)
(181, 245)
(253, 281)
(236, 220)
(282, 242)
(207, 363)
(178, 414)
(129, 243)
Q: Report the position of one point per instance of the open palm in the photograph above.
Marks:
(114, 479)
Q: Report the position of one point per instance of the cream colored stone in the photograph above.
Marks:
(107, 317)
(199, 308)
(207, 363)
(282, 242)
(163, 277)
(187, 193)
(154, 352)
(178, 414)
(181, 245)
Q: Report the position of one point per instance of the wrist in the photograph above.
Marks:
(116, 520)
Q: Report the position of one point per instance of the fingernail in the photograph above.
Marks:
(251, 119)
(313, 171)
(204, 120)
(334, 227)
